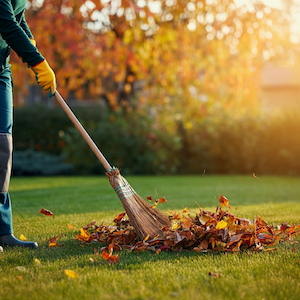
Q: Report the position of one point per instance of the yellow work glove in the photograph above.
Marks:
(45, 77)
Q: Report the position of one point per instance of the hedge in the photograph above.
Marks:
(218, 144)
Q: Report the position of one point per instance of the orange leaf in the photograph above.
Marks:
(110, 258)
(146, 238)
(185, 210)
(224, 201)
(162, 200)
(84, 236)
(149, 198)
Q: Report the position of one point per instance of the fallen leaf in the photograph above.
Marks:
(109, 257)
(46, 212)
(71, 226)
(149, 198)
(119, 217)
(71, 274)
(53, 243)
(185, 210)
(37, 262)
(84, 236)
(214, 275)
(186, 223)
(254, 176)
(221, 225)
(23, 237)
(21, 268)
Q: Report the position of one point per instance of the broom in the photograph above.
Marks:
(145, 219)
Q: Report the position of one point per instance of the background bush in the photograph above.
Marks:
(219, 144)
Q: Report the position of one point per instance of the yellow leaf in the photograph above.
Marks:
(222, 224)
(175, 226)
(23, 237)
(71, 274)
(37, 262)
(71, 226)
(155, 204)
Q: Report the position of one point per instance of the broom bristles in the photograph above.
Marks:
(145, 219)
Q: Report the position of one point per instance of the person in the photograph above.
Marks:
(15, 34)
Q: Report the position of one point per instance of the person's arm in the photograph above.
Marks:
(16, 37)
(24, 25)
(18, 40)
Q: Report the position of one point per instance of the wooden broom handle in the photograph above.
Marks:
(82, 131)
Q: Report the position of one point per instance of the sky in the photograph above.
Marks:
(278, 4)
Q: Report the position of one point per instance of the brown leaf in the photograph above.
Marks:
(186, 223)
(53, 242)
(119, 217)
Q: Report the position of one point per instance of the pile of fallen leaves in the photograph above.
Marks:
(201, 231)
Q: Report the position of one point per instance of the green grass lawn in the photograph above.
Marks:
(39, 274)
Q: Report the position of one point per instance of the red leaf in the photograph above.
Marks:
(46, 212)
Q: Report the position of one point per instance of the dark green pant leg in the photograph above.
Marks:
(6, 110)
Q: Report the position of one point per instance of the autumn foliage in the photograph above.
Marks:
(202, 231)
(170, 53)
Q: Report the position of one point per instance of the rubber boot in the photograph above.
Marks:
(10, 241)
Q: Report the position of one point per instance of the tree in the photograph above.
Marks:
(187, 57)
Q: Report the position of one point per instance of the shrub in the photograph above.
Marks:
(128, 141)
(30, 162)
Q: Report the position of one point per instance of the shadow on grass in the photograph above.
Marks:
(74, 254)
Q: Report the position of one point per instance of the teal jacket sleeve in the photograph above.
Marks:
(16, 35)
(24, 25)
